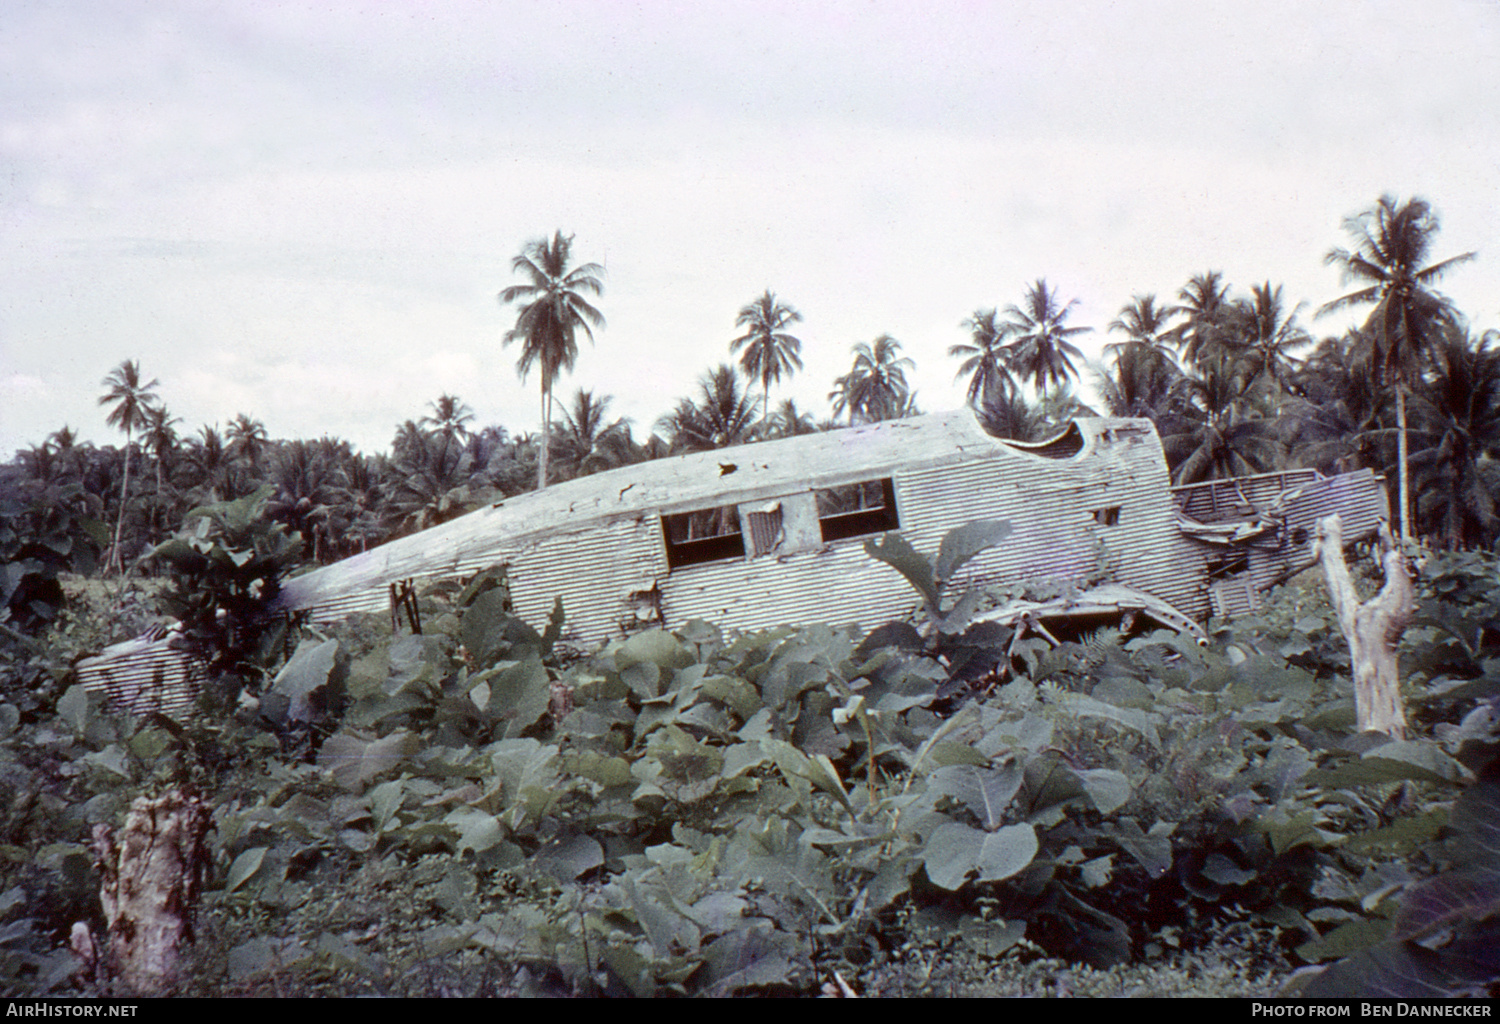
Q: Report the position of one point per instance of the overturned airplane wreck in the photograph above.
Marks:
(773, 533)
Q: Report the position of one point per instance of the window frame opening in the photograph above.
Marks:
(694, 545)
(836, 521)
(1228, 566)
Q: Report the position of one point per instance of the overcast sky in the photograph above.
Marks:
(304, 211)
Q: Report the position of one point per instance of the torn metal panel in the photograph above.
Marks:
(1106, 600)
(152, 673)
(1255, 532)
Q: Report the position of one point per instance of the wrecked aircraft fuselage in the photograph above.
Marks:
(773, 533)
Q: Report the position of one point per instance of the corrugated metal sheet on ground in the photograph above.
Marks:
(145, 676)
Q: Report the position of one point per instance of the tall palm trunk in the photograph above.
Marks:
(1404, 471)
(119, 563)
(541, 466)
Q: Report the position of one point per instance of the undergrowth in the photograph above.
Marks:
(815, 810)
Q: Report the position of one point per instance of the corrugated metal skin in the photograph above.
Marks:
(1051, 506)
(145, 676)
(594, 572)
(945, 472)
(761, 593)
(1049, 502)
(1359, 499)
(749, 473)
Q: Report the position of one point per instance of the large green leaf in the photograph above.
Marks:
(954, 850)
(894, 550)
(73, 708)
(316, 666)
(1152, 850)
(519, 692)
(961, 544)
(477, 830)
(656, 646)
(485, 627)
(355, 759)
(747, 958)
(1476, 822)
(244, 868)
(1107, 788)
(1449, 900)
(1419, 760)
(985, 791)
(567, 857)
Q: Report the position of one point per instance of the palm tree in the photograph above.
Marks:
(1145, 369)
(790, 421)
(1333, 422)
(1206, 305)
(212, 465)
(311, 486)
(724, 416)
(435, 473)
(553, 310)
(62, 440)
(130, 399)
(1391, 243)
(770, 352)
(74, 456)
(247, 439)
(365, 493)
(1041, 350)
(876, 387)
(1457, 433)
(1142, 322)
(1142, 382)
(161, 438)
(450, 416)
(1218, 427)
(1008, 415)
(1266, 336)
(986, 361)
(586, 442)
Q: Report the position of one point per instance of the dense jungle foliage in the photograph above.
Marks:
(477, 809)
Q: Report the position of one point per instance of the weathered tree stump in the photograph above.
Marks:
(1373, 628)
(150, 879)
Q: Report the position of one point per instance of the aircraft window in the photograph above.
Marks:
(1229, 565)
(856, 510)
(706, 535)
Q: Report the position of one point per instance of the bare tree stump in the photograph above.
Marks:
(150, 879)
(1373, 628)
